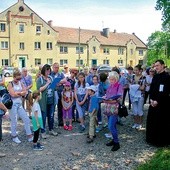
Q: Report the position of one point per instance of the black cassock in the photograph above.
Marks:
(158, 118)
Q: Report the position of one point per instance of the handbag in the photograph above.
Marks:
(109, 109)
(122, 111)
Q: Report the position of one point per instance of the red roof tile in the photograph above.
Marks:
(71, 35)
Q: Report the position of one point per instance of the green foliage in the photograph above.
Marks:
(158, 47)
(164, 6)
(160, 161)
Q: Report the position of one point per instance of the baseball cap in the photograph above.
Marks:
(92, 87)
(67, 84)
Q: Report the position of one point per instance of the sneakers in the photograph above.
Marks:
(53, 133)
(2, 155)
(82, 129)
(111, 143)
(30, 139)
(134, 126)
(43, 135)
(39, 145)
(89, 140)
(37, 148)
(116, 146)
(108, 135)
(16, 140)
(70, 127)
(65, 127)
(139, 127)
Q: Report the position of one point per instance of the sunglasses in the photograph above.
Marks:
(18, 79)
(94, 69)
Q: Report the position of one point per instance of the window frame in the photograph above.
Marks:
(21, 28)
(51, 61)
(120, 62)
(81, 50)
(3, 61)
(1, 27)
(49, 45)
(37, 61)
(37, 45)
(38, 29)
(106, 62)
(106, 51)
(63, 62)
(141, 52)
(63, 49)
(120, 51)
(4, 45)
(79, 64)
(21, 45)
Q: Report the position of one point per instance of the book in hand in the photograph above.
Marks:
(54, 83)
(115, 97)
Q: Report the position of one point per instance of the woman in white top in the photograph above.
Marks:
(17, 91)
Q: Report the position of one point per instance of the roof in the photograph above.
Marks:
(71, 35)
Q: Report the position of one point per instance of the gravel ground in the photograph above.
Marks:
(69, 150)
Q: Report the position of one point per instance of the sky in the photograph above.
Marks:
(135, 16)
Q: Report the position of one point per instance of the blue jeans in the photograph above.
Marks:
(112, 120)
(0, 128)
(99, 115)
(50, 117)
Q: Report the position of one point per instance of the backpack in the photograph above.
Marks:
(6, 98)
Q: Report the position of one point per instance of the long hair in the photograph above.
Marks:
(33, 96)
(79, 83)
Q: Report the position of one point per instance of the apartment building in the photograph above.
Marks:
(26, 40)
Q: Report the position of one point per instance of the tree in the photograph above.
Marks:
(164, 6)
(158, 44)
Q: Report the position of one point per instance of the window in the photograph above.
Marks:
(38, 29)
(120, 62)
(120, 51)
(49, 46)
(21, 46)
(94, 50)
(49, 61)
(141, 62)
(4, 62)
(63, 49)
(37, 46)
(21, 28)
(106, 62)
(48, 32)
(106, 50)
(4, 44)
(79, 63)
(37, 61)
(2, 27)
(141, 52)
(62, 62)
(131, 51)
(81, 50)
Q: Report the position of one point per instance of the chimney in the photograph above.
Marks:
(9, 16)
(32, 18)
(114, 30)
(106, 32)
(133, 33)
(20, 1)
(50, 23)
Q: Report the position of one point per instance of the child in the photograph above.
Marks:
(36, 120)
(93, 109)
(81, 95)
(67, 101)
(3, 110)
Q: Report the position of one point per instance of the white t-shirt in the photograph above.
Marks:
(81, 90)
(36, 107)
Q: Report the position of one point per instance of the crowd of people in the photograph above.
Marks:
(76, 94)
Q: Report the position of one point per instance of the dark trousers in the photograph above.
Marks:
(60, 113)
(124, 97)
(36, 136)
(146, 97)
(49, 114)
(0, 128)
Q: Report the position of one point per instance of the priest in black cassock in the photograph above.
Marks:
(158, 118)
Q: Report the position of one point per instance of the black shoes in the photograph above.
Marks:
(115, 147)
(111, 143)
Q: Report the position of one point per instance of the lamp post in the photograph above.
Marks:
(79, 52)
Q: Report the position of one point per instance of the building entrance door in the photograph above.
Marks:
(22, 62)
